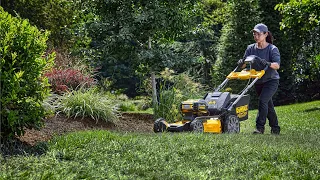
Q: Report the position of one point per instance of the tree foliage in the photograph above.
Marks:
(236, 36)
(301, 20)
(63, 18)
(298, 43)
(121, 36)
(202, 37)
(202, 40)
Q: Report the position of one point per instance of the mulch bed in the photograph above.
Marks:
(58, 125)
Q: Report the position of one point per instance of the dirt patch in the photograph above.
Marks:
(58, 125)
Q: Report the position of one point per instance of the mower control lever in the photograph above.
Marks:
(256, 59)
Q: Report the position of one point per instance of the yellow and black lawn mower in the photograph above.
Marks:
(217, 112)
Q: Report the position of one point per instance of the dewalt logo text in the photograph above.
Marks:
(242, 111)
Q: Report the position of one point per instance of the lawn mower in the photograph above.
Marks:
(217, 112)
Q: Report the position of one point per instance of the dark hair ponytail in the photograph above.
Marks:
(269, 38)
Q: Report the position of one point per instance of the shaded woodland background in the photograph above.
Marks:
(121, 43)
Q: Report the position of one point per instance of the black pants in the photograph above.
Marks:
(265, 92)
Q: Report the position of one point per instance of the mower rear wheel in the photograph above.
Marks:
(159, 125)
(231, 124)
(197, 126)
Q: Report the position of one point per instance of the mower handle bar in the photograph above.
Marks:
(245, 91)
(248, 60)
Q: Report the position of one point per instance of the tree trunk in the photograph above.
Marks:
(154, 89)
(154, 84)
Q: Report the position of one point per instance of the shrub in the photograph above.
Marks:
(127, 106)
(23, 87)
(88, 103)
(143, 102)
(173, 90)
(68, 79)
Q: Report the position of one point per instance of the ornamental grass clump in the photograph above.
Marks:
(89, 103)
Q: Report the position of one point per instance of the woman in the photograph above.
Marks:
(265, 87)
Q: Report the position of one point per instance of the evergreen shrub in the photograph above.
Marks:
(23, 86)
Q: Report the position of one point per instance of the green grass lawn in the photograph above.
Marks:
(295, 154)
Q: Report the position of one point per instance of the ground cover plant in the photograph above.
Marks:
(295, 154)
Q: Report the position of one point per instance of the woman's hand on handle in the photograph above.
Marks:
(274, 66)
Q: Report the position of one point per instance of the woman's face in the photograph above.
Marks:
(259, 37)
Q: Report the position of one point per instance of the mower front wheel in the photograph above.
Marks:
(159, 125)
(231, 124)
(197, 126)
